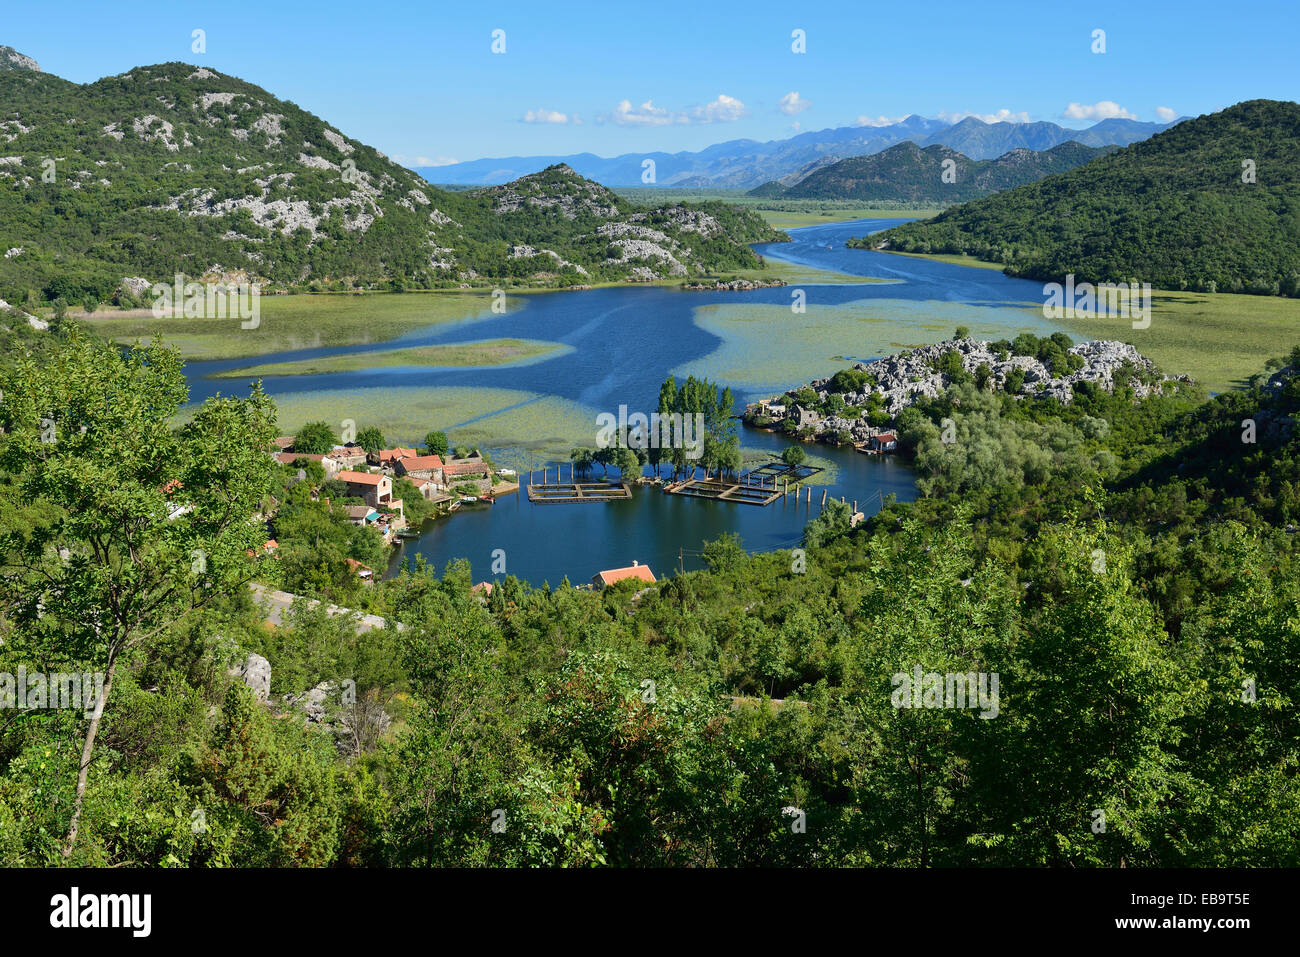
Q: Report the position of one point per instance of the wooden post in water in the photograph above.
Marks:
(824, 494)
(809, 494)
(855, 506)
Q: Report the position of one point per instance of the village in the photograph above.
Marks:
(364, 484)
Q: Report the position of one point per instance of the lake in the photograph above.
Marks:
(623, 342)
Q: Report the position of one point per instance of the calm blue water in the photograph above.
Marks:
(625, 343)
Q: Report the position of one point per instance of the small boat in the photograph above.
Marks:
(469, 498)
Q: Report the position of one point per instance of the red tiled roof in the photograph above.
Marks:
(400, 452)
(886, 437)
(613, 575)
(288, 458)
(464, 468)
(416, 463)
(284, 442)
(360, 478)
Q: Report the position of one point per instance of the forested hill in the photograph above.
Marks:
(177, 168)
(908, 173)
(1181, 210)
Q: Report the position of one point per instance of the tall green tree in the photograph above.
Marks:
(314, 438)
(143, 522)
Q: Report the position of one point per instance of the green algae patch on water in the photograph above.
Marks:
(538, 427)
(484, 353)
(528, 434)
(752, 458)
(769, 348)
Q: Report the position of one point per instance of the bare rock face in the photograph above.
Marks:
(11, 59)
(135, 285)
(255, 672)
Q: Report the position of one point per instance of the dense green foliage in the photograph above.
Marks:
(1174, 211)
(1122, 565)
(907, 173)
(176, 169)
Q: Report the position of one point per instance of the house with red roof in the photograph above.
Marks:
(388, 458)
(420, 466)
(373, 488)
(614, 575)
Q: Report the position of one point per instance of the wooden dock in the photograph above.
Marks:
(561, 493)
(760, 486)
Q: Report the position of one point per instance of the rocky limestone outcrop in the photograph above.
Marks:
(355, 722)
(255, 672)
(905, 378)
(11, 59)
(733, 285)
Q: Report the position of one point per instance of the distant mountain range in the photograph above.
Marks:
(907, 173)
(176, 168)
(1211, 205)
(745, 164)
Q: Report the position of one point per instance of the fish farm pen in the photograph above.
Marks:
(760, 486)
(560, 493)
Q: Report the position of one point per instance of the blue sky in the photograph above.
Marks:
(420, 82)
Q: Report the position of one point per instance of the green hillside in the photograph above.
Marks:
(1173, 211)
(908, 173)
(176, 168)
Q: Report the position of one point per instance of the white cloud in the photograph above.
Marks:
(647, 114)
(796, 126)
(1102, 110)
(724, 109)
(865, 120)
(1001, 116)
(792, 103)
(1165, 115)
(551, 116)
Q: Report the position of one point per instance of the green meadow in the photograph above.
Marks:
(488, 352)
(302, 322)
(797, 273)
(1219, 339)
(816, 213)
(955, 259)
(778, 212)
